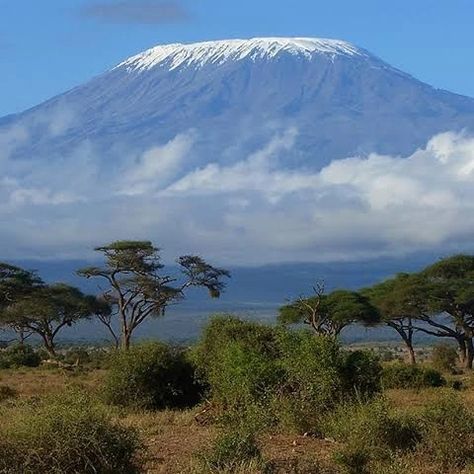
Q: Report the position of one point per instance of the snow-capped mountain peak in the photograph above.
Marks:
(198, 55)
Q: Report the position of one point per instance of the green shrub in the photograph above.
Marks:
(19, 356)
(370, 432)
(68, 433)
(444, 357)
(448, 432)
(232, 451)
(372, 424)
(241, 376)
(6, 393)
(410, 376)
(238, 361)
(362, 373)
(223, 330)
(353, 460)
(151, 376)
(288, 376)
(313, 378)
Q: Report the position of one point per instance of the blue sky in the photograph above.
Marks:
(49, 46)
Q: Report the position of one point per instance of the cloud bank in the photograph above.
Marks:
(253, 211)
(137, 11)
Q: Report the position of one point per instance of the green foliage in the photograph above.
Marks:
(452, 290)
(6, 393)
(362, 373)
(232, 451)
(370, 432)
(48, 309)
(15, 283)
(313, 378)
(66, 433)
(408, 376)
(448, 432)
(444, 357)
(224, 330)
(290, 377)
(153, 376)
(242, 376)
(398, 298)
(19, 356)
(137, 289)
(329, 314)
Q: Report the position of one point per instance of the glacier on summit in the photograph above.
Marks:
(177, 55)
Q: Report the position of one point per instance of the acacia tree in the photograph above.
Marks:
(15, 284)
(329, 314)
(451, 297)
(138, 289)
(401, 302)
(48, 309)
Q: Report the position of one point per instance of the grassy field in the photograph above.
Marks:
(172, 439)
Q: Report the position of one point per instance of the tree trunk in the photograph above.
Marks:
(49, 346)
(125, 340)
(469, 353)
(462, 350)
(407, 337)
(411, 353)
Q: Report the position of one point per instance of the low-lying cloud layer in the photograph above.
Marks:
(257, 210)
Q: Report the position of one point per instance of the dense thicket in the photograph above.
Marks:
(153, 376)
(292, 376)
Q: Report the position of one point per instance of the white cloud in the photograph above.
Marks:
(156, 166)
(258, 210)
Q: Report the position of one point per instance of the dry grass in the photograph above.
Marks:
(172, 438)
(30, 382)
(407, 399)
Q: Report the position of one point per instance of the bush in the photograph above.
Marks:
(444, 358)
(6, 393)
(151, 376)
(238, 361)
(290, 377)
(242, 376)
(223, 330)
(371, 432)
(409, 376)
(66, 433)
(313, 379)
(362, 373)
(448, 432)
(19, 356)
(233, 451)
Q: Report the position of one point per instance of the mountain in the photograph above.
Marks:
(248, 152)
(234, 94)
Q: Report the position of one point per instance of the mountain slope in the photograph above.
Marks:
(236, 93)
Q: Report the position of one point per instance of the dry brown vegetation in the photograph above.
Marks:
(171, 439)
